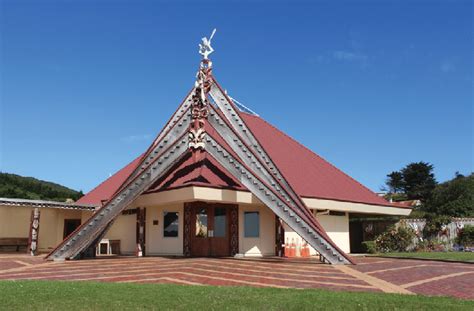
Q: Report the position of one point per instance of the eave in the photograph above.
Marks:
(45, 204)
(212, 194)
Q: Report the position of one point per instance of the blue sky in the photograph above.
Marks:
(86, 85)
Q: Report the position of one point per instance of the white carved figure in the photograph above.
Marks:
(417, 230)
(34, 232)
(205, 48)
(196, 138)
(459, 227)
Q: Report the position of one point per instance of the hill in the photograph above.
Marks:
(16, 186)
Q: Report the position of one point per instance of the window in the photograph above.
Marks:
(201, 223)
(219, 222)
(251, 224)
(170, 224)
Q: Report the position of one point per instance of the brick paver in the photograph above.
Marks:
(370, 274)
(422, 277)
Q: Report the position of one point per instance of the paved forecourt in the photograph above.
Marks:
(370, 275)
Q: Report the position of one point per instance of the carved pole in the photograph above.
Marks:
(202, 86)
(34, 231)
(141, 220)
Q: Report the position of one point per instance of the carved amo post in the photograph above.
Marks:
(141, 222)
(34, 231)
(234, 230)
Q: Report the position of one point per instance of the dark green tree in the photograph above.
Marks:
(415, 181)
(19, 187)
(453, 198)
(418, 181)
(395, 182)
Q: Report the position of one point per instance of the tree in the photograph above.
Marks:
(415, 181)
(15, 186)
(395, 182)
(453, 198)
(418, 181)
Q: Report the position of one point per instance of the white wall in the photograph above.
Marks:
(337, 227)
(264, 245)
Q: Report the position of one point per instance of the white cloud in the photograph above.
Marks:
(348, 56)
(447, 66)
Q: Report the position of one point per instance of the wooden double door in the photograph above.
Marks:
(210, 229)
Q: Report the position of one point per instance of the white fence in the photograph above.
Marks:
(448, 233)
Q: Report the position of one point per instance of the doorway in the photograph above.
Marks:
(210, 234)
(70, 225)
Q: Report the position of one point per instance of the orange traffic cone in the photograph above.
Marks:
(298, 248)
(287, 248)
(292, 248)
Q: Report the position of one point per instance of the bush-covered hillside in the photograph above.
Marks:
(15, 186)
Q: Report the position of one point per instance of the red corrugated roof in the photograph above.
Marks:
(106, 189)
(309, 174)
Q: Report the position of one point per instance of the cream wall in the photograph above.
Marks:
(124, 229)
(15, 223)
(337, 227)
(156, 243)
(264, 245)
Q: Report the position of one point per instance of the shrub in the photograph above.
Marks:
(433, 226)
(432, 245)
(369, 247)
(466, 236)
(395, 240)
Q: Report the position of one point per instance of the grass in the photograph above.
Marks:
(452, 256)
(60, 295)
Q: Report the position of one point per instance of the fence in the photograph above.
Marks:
(447, 234)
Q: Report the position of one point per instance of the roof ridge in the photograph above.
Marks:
(314, 153)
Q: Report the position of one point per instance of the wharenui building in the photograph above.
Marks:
(218, 180)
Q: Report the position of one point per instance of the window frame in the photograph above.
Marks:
(163, 231)
(258, 223)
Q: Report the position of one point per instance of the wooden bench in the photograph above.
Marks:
(16, 242)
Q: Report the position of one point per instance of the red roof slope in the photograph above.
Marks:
(309, 174)
(106, 189)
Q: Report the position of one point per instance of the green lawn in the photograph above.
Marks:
(457, 256)
(57, 295)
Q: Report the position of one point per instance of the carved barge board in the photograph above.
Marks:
(232, 115)
(165, 155)
(250, 159)
(265, 193)
(181, 118)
